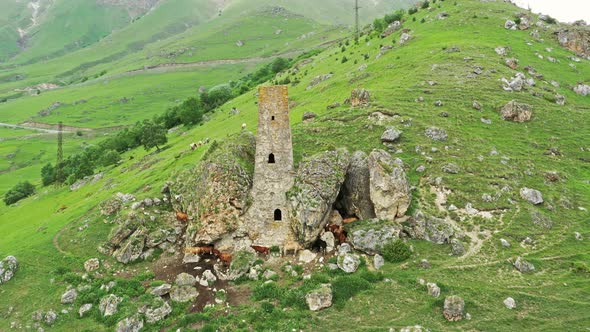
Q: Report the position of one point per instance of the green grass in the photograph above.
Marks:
(552, 297)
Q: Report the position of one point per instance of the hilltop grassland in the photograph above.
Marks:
(451, 60)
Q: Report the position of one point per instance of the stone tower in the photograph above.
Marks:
(268, 218)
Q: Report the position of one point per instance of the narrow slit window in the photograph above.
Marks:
(271, 158)
(272, 117)
(278, 215)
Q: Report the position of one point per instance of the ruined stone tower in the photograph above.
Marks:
(268, 217)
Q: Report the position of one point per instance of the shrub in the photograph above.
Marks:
(425, 4)
(345, 287)
(396, 251)
(412, 10)
(19, 191)
(110, 157)
(344, 59)
(48, 174)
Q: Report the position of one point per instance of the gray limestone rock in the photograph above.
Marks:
(378, 261)
(91, 265)
(433, 289)
(185, 279)
(541, 220)
(451, 168)
(370, 240)
(50, 317)
(306, 256)
(207, 279)
(436, 230)
(348, 262)
(404, 38)
(308, 116)
(84, 309)
(320, 298)
(390, 135)
(457, 248)
(522, 265)
(130, 324)
(454, 308)
(132, 249)
(8, 267)
(505, 243)
(161, 290)
(69, 296)
(314, 192)
(582, 89)
(436, 134)
(517, 112)
(108, 305)
(183, 293)
(328, 237)
(510, 303)
(153, 315)
(360, 97)
(389, 186)
(531, 195)
(318, 79)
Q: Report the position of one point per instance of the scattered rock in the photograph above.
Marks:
(389, 186)
(454, 308)
(153, 315)
(108, 304)
(578, 236)
(442, 15)
(457, 248)
(516, 83)
(207, 279)
(531, 195)
(476, 105)
(433, 229)
(560, 99)
(130, 324)
(517, 112)
(306, 256)
(523, 266)
(328, 237)
(183, 293)
(505, 243)
(269, 274)
(541, 220)
(308, 116)
(510, 25)
(92, 264)
(582, 89)
(84, 309)
(433, 289)
(370, 240)
(318, 79)
(390, 135)
(404, 38)
(185, 279)
(359, 97)
(50, 317)
(436, 134)
(438, 103)
(500, 50)
(132, 249)
(8, 267)
(239, 43)
(512, 63)
(391, 28)
(69, 296)
(378, 261)
(451, 168)
(320, 298)
(510, 303)
(348, 262)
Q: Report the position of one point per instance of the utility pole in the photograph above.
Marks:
(356, 14)
(59, 174)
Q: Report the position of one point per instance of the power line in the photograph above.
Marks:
(59, 174)
(356, 13)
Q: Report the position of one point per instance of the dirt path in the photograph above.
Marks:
(56, 242)
(28, 126)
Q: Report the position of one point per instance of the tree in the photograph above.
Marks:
(48, 174)
(191, 111)
(109, 157)
(152, 135)
(18, 192)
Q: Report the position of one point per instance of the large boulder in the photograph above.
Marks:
(241, 263)
(348, 262)
(389, 186)
(360, 97)
(317, 183)
(8, 267)
(185, 279)
(157, 312)
(454, 308)
(130, 324)
(575, 39)
(183, 293)
(522, 265)
(84, 309)
(161, 290)
(215, 193)
(582, 89)
(320, 298)
(132, 249)
(433, 229)
(108, 305)
(371, 238)
(517, 112)
(355, 196)
(69, 296)
(122, 232)
(92, 264)
(436, 134)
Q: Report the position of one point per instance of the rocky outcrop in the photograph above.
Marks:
(215, 193)
(91, 265)
(517, 112)
(522, 265)
(531, 195)
(69, 296)
(355, 197)
(348, 262)
(582, 89)
(240, 265)
(8, 267)
(183, 294)
(389, 187)
(575, 39)
(315, 190)
(132, 249)
(108, 305)
(320, 298)
(318, 79)
(130, 324)
(161, 290)
(436, 134)
(371, 238)
(359, 97)
(158, 311)
(84, 309)
(436, 230)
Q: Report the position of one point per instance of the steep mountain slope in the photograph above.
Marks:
(449, 58)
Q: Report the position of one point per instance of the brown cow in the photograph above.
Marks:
(349, 220)
(225, 257)
(181, 216)
(200, 250)
(261, 249)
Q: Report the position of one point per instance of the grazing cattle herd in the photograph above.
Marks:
(289, 247)
(193, 146)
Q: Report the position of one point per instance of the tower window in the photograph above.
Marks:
(272, 117)
(278, 215)
(271, 158)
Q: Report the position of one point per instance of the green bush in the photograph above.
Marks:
(396, 251)
(425, 4)
(345, 287)
(19, 191)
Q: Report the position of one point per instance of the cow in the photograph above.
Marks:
(243, 126)
(181, 216)
(225, 257)
(291, 246)
(206, 140)
(193, 146)
(200, 250)
(349, 220)
(261, 249)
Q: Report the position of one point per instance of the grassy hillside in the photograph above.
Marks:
(498, 158)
